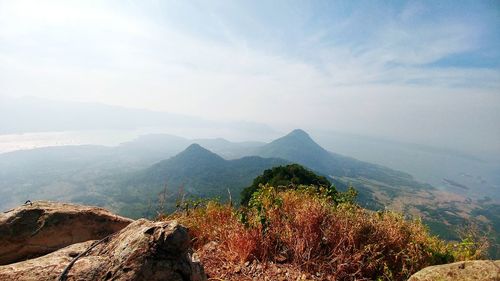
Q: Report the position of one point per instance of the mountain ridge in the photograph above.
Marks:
(129, 178)
(196, 171)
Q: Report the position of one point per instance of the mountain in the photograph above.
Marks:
(299, 147)
(195, 171)
(229, 149)
(153, 147)
(126, 179)
(64, 116)
(426, 163)
(32, 114)
(163, 146)
(194, 160)
(383, 188)
(79, 173)
(202, 173)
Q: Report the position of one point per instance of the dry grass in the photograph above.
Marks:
(299, 234)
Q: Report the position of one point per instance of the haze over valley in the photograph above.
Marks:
(159, 109)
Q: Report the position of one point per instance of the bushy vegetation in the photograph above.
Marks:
(293, 174)
(306, 230)
(195, 172)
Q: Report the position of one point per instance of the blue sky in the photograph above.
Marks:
(303, 29)
(421, 71)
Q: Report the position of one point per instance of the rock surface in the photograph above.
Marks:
(42, 227)
(464, 271)
(144, 250)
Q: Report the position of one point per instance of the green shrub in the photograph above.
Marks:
(288, 176)
(312, 231)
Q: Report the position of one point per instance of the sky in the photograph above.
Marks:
(419, 71)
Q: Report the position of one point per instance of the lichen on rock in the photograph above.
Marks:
(143, 250)
(36, 229)
(484, 270)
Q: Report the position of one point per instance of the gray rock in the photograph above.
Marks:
(42, 227)
(483, 270)
(144, 250)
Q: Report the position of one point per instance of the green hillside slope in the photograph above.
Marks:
(195, 172)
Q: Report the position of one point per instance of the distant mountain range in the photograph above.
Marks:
(299, 147)
(195, 172)
(131, 178)
(202, 173)
(32, 114)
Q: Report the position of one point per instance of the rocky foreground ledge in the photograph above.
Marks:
(57, 241)
(38, 228)
(483, 270)
(89, 243)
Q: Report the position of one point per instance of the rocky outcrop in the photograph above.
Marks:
(463, 271)
(144, 250)
(42, 227)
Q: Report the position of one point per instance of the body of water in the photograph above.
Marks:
(13, 142)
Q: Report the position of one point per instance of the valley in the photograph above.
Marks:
(152, 173)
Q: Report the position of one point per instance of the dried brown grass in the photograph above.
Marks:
(309, 233)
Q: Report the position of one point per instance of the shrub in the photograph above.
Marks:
(286, 176)
(310, 231)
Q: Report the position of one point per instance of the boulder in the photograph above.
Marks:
(144, 250)
(483, 270)
(42, 227)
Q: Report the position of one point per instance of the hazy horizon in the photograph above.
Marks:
(384, 113)
(416, 72)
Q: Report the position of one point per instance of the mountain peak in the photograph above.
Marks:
(298, 133)
(195, 147)
(299, 136)
(297, 144)
(198, 150)
(298, 147)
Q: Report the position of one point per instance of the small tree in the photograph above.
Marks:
(289, 176)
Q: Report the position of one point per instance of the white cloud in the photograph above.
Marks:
(90, 51)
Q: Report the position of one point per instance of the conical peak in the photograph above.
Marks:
(195, 146)
(297, 139)
(299, 133)
(196, 149)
